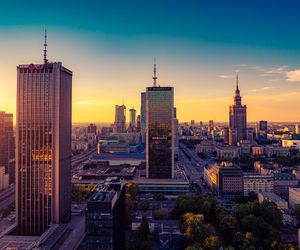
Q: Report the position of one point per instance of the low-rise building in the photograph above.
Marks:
(168, 232)
(291, 144)
(206, 146)
(257, 183)
(227, 152)
(294, 197)
(258, 150)
(225, 179)
(282, 182)
(245, 147)
(266, 168)
(276, 150)
(272, 197)
(171, 187)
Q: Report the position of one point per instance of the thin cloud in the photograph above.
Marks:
(266, 88)
(226, 76)
(293, 75)
(86, 102)
(266, 71)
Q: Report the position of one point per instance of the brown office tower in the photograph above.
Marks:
(237, 118)
(43, 152)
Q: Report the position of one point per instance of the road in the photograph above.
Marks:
(7, 197)
(78, 160)
(193, 166)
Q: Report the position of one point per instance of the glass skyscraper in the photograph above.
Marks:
(159, 132)
(43, 150)
(120, 119)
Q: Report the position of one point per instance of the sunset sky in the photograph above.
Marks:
(198, 45)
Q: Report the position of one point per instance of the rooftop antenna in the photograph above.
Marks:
(45, 48)
(154, 73)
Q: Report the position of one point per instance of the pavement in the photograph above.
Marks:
(77, 228)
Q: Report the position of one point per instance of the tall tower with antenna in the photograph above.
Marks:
(159, 131)
(43, 174)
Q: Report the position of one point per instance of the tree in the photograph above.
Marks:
(211, 243)
(202, 155)
(159, 196)
(297, 212)
(132, 189)
(194, 228)
(90, 187)
(195, 246)
(195, 203)
(157, 215)
(143, 230)
(144, 205)
(78, 192)
(129, 209)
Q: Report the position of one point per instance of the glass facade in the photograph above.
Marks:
(159, 132)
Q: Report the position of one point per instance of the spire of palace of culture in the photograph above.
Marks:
(237, 97)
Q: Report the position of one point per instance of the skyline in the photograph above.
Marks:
(198, 50)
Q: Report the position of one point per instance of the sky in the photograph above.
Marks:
(198, 45)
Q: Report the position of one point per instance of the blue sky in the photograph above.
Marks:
(110, 46)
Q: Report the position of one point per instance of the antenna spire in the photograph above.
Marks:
(154, 73)
(237, 81)
(45, 48)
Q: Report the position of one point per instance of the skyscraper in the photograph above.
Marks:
(7, 145)
(143, 117)
(159, 131)
(132, 118)
(120, 119)
(237, 118)
(43, 150)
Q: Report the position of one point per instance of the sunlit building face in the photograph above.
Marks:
(159, 132)
(44, 99)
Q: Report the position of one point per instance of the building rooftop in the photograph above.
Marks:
(179, 178)
(119, 156)
(295, 189)
(226, 147)
(272, 197)
(108, 171)
(284, 176)
(103, 195)
(107, 191)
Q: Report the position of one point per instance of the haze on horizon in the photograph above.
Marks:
(110, 46)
